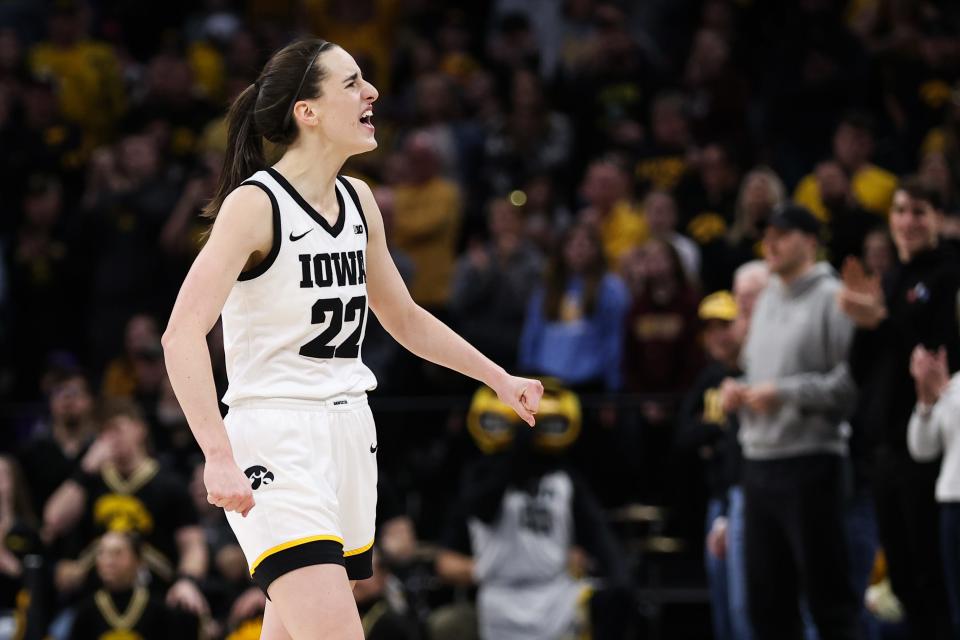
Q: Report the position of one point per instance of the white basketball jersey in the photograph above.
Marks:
(293, 326)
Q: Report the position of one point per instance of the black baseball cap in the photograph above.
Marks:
(794, 217)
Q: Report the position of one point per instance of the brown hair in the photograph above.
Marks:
(918, 190)
(264, 110)
(120, 407)
(558, 274)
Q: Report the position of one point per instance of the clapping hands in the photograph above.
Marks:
(930, 373)
(861, 297)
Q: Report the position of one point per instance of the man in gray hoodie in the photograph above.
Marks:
(792, 400)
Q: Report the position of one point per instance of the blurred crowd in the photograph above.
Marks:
(730, 227)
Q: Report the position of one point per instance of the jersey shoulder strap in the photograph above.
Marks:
(356, 201)
(262, 267)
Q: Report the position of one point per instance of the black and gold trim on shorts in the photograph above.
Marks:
(305, 552)
(359, 562)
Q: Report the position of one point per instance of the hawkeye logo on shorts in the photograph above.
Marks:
(258, 475)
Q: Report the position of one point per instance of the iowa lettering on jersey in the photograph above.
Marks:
(339, 269)
(332, 269)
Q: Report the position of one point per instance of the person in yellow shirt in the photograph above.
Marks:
(366, 28)
(87, 72)
(872, 186)
(622, 227)
(427, 218)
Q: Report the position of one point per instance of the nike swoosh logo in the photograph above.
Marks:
(294, 238)
(373, 448)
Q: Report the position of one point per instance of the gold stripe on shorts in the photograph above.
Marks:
(294, 543)
(356, 552)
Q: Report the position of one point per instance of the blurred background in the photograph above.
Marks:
(631, 151)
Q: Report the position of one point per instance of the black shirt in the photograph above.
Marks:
(921, 299)
(45, 468)
(152, 501)
(102, 616)
(705, 427)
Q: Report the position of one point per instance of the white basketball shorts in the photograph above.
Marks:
(313, 470)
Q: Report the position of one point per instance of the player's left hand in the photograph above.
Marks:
(523, 395)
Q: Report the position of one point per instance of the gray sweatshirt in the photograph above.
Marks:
(799, 340)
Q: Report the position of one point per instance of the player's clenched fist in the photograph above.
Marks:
(227, 487)
(523, 394)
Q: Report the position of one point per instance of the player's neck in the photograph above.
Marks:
(312, 169)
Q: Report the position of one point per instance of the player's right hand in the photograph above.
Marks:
(227, 487)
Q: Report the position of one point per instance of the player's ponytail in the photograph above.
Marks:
(264, 110)
(244, 155)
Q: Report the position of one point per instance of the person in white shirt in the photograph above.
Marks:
(934, 430)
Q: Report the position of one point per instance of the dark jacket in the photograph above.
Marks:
(921, 298)
(704, 427)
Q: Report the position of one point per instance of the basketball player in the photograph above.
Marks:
(295, 259)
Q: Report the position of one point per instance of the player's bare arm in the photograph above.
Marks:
(421, 333)
(241, 235)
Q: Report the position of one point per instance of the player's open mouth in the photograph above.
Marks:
(366, 119)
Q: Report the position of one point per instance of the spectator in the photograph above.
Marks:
(45, 142)
(663, 156)
(19, 533)
(574, 323)
(660, 352)
(936, 173)
(871, 186)
(531, 139)
(426, 223)
(384, 611)
(878, 253)
(793, 397)
(848, 221)
(88, 71)
(609, 95)
(704, 426)
(749, 281)
(511, 534)
(139, 373)
(761, 192)
(123, 606)
(367, 28)
(43, 281)
(545, 214)
(914, 305)
(52, 454)
(718, 92)
(130, 195)
(708, 196)
(457, 140)
(171, 106)
(182, 233)
(933, 432)
(493, 283)
(119, 487)
(660, 210)
(606, 190)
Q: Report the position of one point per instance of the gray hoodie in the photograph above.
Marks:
(799, 340)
